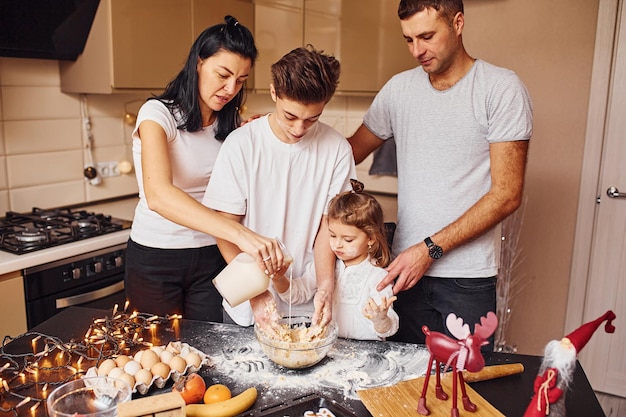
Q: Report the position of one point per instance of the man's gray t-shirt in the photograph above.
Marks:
(442, 140)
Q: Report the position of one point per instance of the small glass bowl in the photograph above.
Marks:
(88, 397)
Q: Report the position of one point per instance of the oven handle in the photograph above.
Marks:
(90, 296)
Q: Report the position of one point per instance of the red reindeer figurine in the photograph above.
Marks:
(460, 354)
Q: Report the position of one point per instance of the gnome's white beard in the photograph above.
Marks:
(563, 359)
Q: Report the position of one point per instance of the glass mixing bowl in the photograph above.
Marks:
(295, 350)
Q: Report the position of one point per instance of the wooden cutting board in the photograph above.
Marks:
(401, 400)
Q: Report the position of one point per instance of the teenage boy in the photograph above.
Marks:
(276, 175)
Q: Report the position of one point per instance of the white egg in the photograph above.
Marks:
(137, 356)
(116, 372)
(132, 367)
(166, 356)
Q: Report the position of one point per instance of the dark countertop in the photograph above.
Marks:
(238, 362)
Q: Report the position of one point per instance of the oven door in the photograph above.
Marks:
(95, 280)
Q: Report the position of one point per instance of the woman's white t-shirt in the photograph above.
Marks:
(192, 156)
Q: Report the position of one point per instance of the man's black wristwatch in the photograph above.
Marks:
(434, 251)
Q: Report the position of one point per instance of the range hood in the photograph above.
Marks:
(45, 29)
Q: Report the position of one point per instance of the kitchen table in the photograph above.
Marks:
(237, 361)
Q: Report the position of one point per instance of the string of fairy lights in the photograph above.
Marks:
(53, 362)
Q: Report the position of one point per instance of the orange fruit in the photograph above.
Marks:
(216, 393)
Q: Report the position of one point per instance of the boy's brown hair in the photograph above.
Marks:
(306, 75)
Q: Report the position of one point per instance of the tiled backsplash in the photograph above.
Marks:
(44, 146)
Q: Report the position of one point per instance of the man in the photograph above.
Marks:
(276, 175)
(461, 128)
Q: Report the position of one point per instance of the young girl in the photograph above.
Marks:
(357, 237)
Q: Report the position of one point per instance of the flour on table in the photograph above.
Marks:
(345, 368)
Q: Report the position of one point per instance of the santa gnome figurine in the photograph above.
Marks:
(557, 368)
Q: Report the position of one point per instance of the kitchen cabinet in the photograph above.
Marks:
(132, 45)
(142, 44)
(13, 306)
(278, 29)
(364, 35)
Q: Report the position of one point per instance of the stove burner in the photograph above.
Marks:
(86, 225)
(26, 232)
(31, 235)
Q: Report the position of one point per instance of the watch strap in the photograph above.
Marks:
(434, 251)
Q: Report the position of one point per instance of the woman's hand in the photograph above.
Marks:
(267, 252)
(251, 118)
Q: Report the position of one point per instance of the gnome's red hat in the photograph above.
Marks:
(581, 336)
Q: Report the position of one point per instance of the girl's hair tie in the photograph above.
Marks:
(357, 186)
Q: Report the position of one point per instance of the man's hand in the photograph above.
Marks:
(323, 302)
(408, 267)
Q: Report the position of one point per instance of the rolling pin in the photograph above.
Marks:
(493, 371)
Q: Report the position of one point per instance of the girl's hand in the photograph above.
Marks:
(376, 312)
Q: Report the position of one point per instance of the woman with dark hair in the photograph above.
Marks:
(172, 255)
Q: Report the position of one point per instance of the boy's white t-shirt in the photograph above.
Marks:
(281, 190)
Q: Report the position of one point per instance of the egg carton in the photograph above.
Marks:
(175, 348)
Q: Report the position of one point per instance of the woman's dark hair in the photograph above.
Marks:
(182, 96)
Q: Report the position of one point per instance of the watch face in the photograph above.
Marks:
(435, 251)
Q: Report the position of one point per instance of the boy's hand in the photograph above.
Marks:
(265, 314)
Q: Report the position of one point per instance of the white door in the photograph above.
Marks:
(604, 357)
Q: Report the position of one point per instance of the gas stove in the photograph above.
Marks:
(22, 233)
